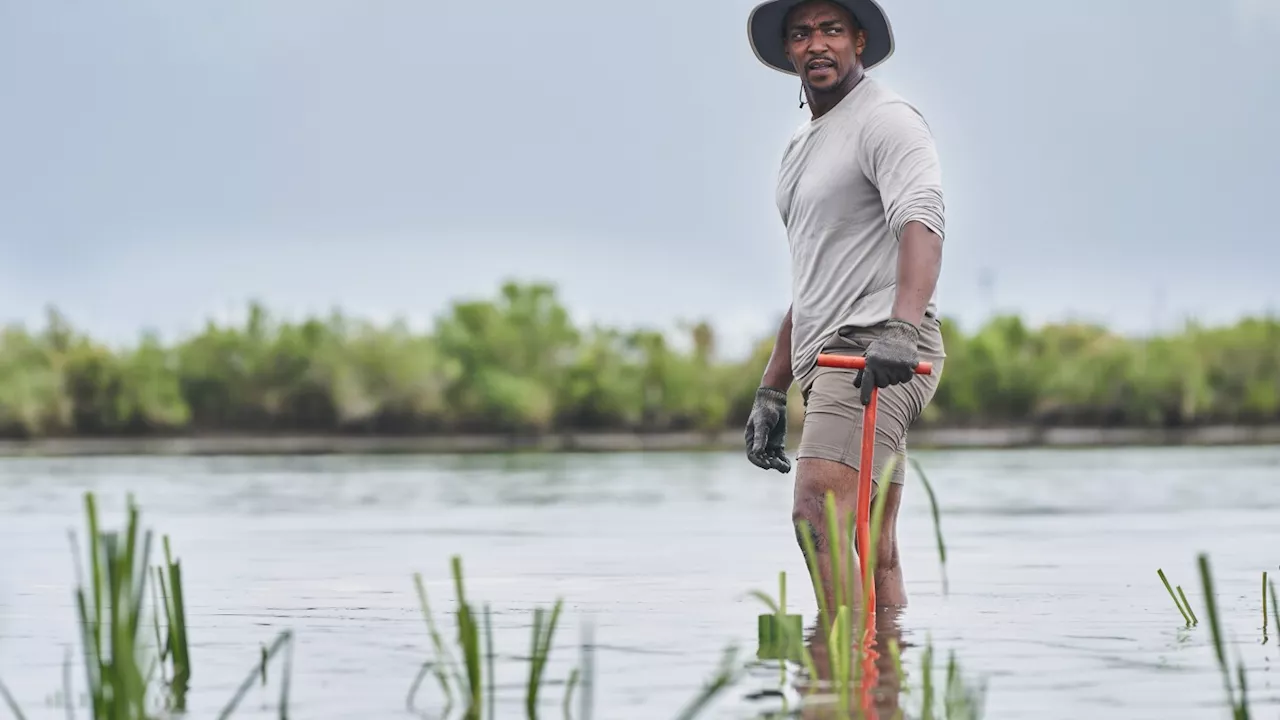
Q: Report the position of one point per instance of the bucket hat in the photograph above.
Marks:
(765, 32)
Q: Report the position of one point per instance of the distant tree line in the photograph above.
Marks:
(516, 363)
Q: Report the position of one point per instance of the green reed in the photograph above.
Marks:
(110, 613)
(1264, 606)
(173, 647)
(282, 643)
(475, 681)
(937, 521)
(1240, 707)
(543, 630)
(960, 699)
(120, 666)
(473, 678)
(1275, 604)
(1183, 606)
(726, 675)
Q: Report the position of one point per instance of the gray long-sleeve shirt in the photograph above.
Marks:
(850, 182)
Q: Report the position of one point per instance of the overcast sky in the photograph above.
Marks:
(162, 162)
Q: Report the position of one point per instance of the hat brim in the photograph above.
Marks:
(765, 32)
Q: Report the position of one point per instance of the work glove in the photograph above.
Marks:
(767, 430)
(890, 359)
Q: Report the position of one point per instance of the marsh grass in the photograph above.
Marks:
(1264, 607)
(937, 521)
(1239, 706)
(282, 643)
(1184, 607)
(117, 662)
(173, 643)
(126, 677)
(473, 678)
(1275, 606)
(726, 676)
(959, 699)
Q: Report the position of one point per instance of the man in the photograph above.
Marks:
(860, 194)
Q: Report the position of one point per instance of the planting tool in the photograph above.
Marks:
(855, 362)
(863, 519)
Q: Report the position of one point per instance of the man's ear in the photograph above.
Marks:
(860, 44)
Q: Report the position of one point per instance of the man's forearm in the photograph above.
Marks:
(777, 373)
(919, 263)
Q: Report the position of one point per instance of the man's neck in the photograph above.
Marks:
(823, 102)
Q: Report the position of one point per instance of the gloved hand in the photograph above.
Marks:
(891, 358)
(767, 430)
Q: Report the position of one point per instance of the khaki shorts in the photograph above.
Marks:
(833, 409)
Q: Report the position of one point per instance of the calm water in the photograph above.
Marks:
(1053, 597)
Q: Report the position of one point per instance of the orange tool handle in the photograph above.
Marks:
(857, 362)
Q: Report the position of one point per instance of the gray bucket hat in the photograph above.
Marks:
(766, 34)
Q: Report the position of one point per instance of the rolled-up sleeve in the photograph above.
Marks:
(901, 160)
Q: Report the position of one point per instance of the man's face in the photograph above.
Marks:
(823, 43)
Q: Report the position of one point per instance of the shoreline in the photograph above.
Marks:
(921, 438)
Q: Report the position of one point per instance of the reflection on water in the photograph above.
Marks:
(943, 687)
(1052, 556)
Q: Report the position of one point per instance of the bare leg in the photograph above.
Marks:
(891, 591)
(814, 478)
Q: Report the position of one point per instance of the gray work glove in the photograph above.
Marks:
(767, 430)
(891, 358)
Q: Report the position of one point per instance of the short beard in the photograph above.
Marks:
(841, 86)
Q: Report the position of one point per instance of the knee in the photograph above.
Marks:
(808, 516)
(810, 528)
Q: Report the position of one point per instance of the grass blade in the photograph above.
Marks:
(768, 601)
(570, 686)
(1187, 604)
(176, 612)
(837, 550)
(542, 651)
(92, 666)
(587, 652)
(1264, 604)
(285, 677)
(1167, 586)
(926, 679)
(811, 561)
(1242, 710)
(468, 638)
(443, 656)
(66, 687)
(1211, 607)
(488, 653)
(725, 677)
(423, 671)
(1275, 606)
(281, 640)
(937, 521)
(531, 688)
